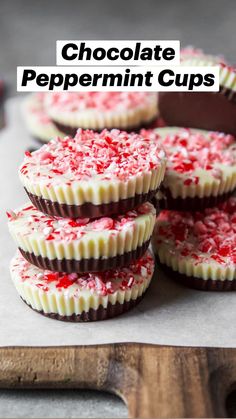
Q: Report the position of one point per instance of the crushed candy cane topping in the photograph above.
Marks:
(102, 283)
(204, 237)
(29, 220)
(101, 101)
(188, 150)
(108, 155)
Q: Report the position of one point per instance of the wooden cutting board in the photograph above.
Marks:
(154, 381)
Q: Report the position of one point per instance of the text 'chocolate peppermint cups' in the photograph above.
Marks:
(81, 245)
(82, 297)
(93, 171)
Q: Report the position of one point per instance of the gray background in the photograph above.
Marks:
(28, 33)
(29, 29)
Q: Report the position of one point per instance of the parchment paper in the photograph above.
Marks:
(169, 314)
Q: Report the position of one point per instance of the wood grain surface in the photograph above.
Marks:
(154, 381)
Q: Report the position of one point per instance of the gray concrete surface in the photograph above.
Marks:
(59, 404)
(28, 33)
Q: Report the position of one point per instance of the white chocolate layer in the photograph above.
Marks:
(57, 238)
(97, 191)
(85, 292)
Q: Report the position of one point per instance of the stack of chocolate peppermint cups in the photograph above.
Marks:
(195, 234)
(83, 239)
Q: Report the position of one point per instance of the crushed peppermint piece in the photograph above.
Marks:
(102, 283)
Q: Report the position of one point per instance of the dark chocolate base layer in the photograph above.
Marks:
(197, 283)
(86, 265)
(102, 313)
(188, 204)
(89, 210)
(214, 111)
(71, 131)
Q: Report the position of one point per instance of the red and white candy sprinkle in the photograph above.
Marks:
(65, 229)
(188, 150)
(101, 101)
(104, 283)
(107, 155)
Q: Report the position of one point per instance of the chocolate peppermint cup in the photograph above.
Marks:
(82, 297)
(93, 174)
(206, 110)
(200, 170)
(98, 110)
(37, 122)
(81, 245)
(199, 247)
